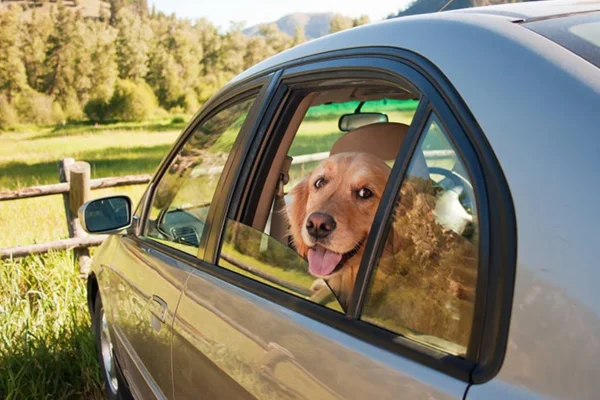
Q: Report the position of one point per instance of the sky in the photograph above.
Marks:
(253, 12)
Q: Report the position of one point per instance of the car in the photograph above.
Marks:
(478, 277)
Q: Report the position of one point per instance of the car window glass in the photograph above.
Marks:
(423, 286)
(184, 193)
(258, 256)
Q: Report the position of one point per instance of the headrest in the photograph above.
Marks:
(381, 139)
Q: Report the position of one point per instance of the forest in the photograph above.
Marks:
(127, 63)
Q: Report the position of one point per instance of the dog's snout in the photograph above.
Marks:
(320, 225)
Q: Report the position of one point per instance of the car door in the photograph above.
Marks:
(238, 320)
(150, 269)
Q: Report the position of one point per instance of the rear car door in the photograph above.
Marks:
(149, 270)
(238, 319)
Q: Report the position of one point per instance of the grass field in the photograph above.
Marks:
(46, 345)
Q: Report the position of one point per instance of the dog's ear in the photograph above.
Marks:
(297, 214)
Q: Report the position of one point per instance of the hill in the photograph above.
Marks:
(431, 6)
(315, 24)
(87, 8)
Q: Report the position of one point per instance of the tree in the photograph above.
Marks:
(132, 45)
(104, 61)
(299, 36)
(339, 23)
(362, 20)
(36, 30)
(59, 65)
(277, 40)
(13, 78)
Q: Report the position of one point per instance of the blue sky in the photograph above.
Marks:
(221, 12)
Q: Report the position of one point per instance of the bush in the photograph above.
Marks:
(132, 101)
(34, 107)
(97, 110)
(178, 119)
(72, 107)
(8, 114)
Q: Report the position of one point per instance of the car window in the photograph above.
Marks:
(423, 286)
(280, 249)
(319, 129)
(184, 193)
(579, 33)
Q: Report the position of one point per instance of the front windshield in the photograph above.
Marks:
(578, 33)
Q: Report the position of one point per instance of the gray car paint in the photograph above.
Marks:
(538, 105)
(274, 352)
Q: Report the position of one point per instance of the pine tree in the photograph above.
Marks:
(59, 65)
(13, 78)
(132, 45)
(37, 30)
(339, 23)
(299, 36)
(104, 61)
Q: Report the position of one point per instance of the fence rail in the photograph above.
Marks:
(75, 186)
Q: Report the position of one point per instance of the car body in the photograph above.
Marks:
(522, 110)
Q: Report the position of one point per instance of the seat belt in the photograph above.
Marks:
(279, 221)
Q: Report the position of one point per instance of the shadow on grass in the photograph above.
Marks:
(112, 161)
(67, 368)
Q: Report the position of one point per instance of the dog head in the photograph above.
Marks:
(333, 208)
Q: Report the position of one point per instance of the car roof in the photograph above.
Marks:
(533, 9)
(396, 32)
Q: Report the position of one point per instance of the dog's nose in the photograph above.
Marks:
(320, 225)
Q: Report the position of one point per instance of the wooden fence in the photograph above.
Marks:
(75, 186)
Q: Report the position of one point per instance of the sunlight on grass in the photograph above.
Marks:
(47, 348)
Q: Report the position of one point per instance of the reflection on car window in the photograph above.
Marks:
(260, 257)
(424, 284)
(183, 196)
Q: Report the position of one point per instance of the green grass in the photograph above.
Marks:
(47, 349)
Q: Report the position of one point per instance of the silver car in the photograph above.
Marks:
(477, 278)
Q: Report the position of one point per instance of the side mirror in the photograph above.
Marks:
(106, 215)
(348, 122)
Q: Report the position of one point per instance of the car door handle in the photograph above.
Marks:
(158, 307)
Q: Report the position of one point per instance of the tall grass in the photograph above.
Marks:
(46, 344)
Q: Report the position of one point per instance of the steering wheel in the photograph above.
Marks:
(454, 206)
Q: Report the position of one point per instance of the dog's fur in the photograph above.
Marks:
(345, 175)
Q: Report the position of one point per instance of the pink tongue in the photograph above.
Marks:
(322, 262)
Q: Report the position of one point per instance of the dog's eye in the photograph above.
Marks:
(365, 193)
(319, 183)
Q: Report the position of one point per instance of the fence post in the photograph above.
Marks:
(79, 192)
(64, 175)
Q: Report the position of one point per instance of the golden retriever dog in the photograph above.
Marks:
(331, 213)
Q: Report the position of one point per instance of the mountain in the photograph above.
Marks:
(315, 24)
(431, 6)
